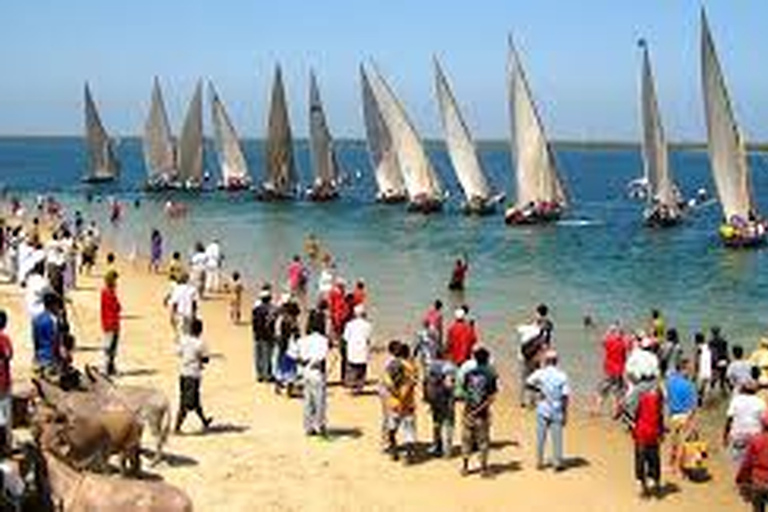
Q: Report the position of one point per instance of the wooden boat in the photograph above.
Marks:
(540, 196)
(325, 162)
(234, 167)
(158, 145)
(103, 166)
(190, 154)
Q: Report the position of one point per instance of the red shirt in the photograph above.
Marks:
(461, 339)
(338, 307)
(358, 296)
(6, 354)
(754, 468)
(434, 319)
(110, 310)
(615, 354)
(649, 422)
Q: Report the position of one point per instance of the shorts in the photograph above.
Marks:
(611, 385)
(189, 387)
(407, 421)
(678, 426)
(476, 432)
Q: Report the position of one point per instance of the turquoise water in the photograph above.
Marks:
(599, 261)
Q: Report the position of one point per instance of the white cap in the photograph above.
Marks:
(460, 314)
(359, 310)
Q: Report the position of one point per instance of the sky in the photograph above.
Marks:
(581, 59)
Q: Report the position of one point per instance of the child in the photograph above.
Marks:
(6, 354)
(194, 355)
(236, 301)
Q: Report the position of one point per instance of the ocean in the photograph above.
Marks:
(598, 261)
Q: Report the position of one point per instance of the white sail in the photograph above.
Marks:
(419, 175)
(190, 156)
(102, 163)
(535, 169)
(389, 179)
(727, 154)
(324, 158)
(461, 148)
(158, 142)
(661, 188)
(230, 154)
(281, 168)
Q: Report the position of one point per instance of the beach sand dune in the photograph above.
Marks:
(257, 458)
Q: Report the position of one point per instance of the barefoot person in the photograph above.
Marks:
(155, 251)
(194, 356)
(752, 477)
(400, 380)
(643, 409)
(110, 320)
(357, 336)
(313, 351)
(479, 387)
(553, 390)
(263, 319)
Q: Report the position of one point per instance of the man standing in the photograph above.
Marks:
(45, 335)
(183, 302)
(213, 267)
(479, 387)
(682, 400)
(551, 384)
(357, 335)
(644, 409)
(313, 351)
(718, 345)
(461, 338)
(743, 420)
(614, 358)
(753, 473)
(400, 384)
(194, 355)
(110, 320)
(433, 319)
(263, 319)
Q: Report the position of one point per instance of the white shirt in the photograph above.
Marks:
(325, 281)
(213, 256)
(37, 285)
(357, 334)
(552, 383)
(526, 333)
(313, 348)
(745, 412)
(705, 363)
(198, 261)
(192, 351)
(642, 363)
(183, 296)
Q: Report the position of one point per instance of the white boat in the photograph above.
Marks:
(727, 153)
(158, 145)
(324, 160)
(281, 177)
(540, 196)
(389, 179)
(234, 167)
(421, 182)
(190, 154)
(103, 165)
(462, 151)
(661, 194)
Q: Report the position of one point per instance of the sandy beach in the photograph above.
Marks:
(257, 458)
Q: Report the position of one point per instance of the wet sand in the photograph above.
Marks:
(257, 458)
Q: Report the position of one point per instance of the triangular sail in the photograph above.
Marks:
(661, 188)
(281, 168)
(102, 163)
(230, 154)
(535, 170)
(461, 148)
(190, 162)
(158, 142)
(324, 158)
(389, 179)
(726, 146)
(419, 175)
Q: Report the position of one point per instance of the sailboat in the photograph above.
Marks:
(158, 145)
(324, 159)
(540, 194)
(462, 151)
(103, 165)
(281, 180)
(234, 168)
(424, 190)
(727, 154)
(389, 179)
(190, 153)
(662, 197)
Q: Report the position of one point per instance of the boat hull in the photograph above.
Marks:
(656, 219)
(95, 180)
(322, 194)
(234, 186)
(516, 217)
(754, 236)
(273, 196)
(482, 206)
(425, 206)
(391, 198)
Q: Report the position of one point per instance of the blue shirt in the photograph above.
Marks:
(552, 384)
(44, 338)
(682, 397)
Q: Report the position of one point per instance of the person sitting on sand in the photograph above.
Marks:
(400, 378)
(479, 387)
(553, 391)
(194, 356)
(313, 352)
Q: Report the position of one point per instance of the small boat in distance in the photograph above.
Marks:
(462, 151)
(664, 206)
(234, 167)
(324, 160)
(190, 154)
(540, 197)
(158, 145)
(389, 179)
(281, 178)
(424, 191)
(103, 165)
(742, 226)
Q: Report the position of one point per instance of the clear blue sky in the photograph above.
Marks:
(581, 59)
